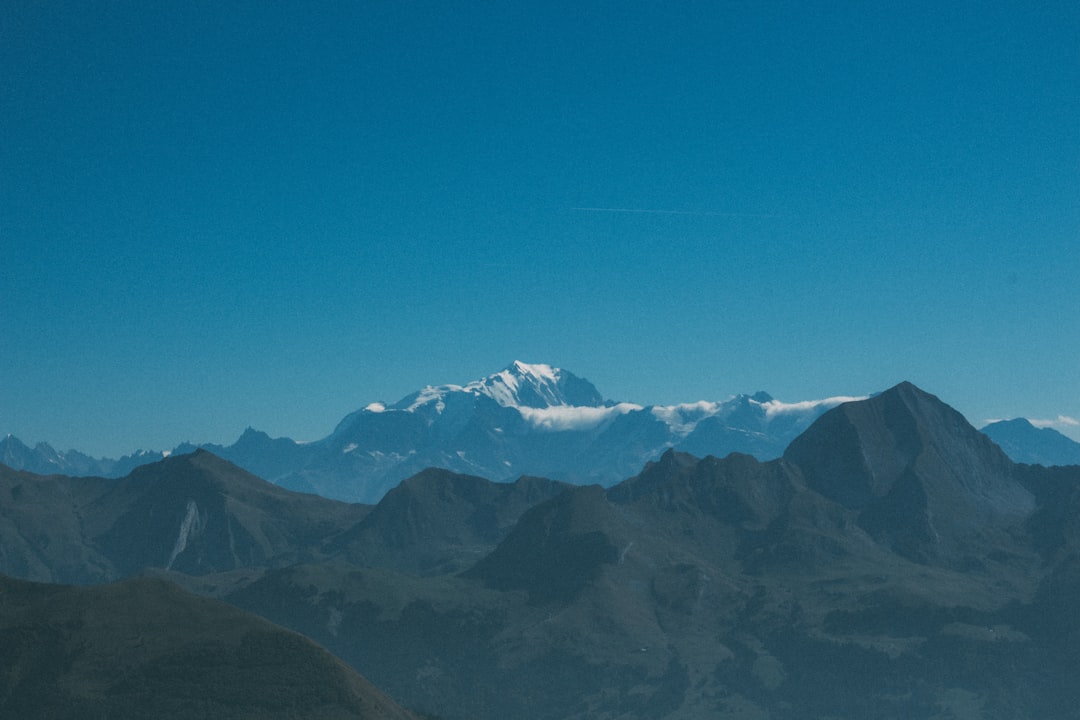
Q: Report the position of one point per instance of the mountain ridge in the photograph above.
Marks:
(1025, 443)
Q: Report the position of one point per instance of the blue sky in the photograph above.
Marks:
(275, 213)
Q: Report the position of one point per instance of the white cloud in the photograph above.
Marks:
(568, 417)
(775, 407)
(1061, 421)
(683, 418)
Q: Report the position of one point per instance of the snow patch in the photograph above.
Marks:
(375, 407)
(538, 370)
(433, 394)
(186, 525)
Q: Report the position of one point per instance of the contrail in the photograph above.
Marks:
(649, 211)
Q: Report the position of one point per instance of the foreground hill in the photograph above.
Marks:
(146, 649)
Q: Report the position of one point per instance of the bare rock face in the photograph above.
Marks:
(923, 481)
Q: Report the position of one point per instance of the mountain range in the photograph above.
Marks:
(46, 460)
(524, 420)
(893, 562)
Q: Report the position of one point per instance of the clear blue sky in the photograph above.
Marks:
(273, 214)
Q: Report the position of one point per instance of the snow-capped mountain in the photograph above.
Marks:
(527, 388)
(528, 419)
(520, 385)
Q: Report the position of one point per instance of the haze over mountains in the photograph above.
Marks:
(44, 459)
(893, 563)
(524, 420)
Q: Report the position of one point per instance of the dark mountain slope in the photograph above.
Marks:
(738, 489)
(683, 593)
(923, 481)
(198, 514)
(556, 549)
(41, 530)
(760, 517)
(145, 649)
(438, 521)
(1054, 527)
(192, 513)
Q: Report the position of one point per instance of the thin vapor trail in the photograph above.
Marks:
(650, 211)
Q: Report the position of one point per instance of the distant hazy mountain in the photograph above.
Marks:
(45, 460)
(893, 563)
(1025, 443)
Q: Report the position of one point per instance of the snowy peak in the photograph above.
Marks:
(538, 386)
(520, 385)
